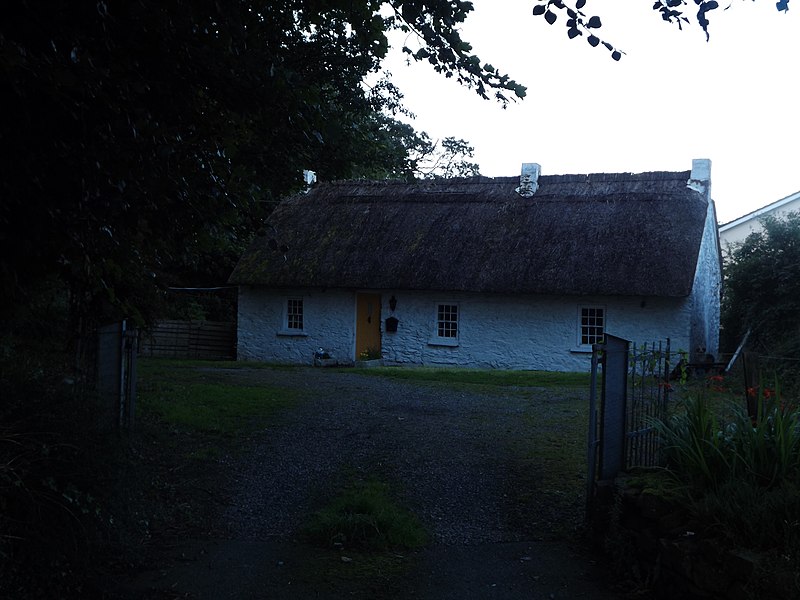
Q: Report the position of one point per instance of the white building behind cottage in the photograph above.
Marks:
(736, 231)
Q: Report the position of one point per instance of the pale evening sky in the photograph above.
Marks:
(673, 96)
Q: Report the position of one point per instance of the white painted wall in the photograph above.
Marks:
(706, 294)
(329, 322)
(531, 332)
(495, 331)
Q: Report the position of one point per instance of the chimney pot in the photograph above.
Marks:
(700, 179)
(529, 179)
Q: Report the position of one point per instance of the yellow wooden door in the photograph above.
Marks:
(368, 326)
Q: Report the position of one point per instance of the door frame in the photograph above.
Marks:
(372, 337)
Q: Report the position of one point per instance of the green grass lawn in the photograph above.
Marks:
(502, 378)
(194, 395)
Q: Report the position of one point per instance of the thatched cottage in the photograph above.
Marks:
(508, 272)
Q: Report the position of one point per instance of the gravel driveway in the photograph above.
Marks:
(456, 457)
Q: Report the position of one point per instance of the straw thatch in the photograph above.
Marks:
(602, 234)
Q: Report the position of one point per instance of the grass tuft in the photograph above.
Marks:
(365, 517)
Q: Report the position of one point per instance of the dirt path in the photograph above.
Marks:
(464, 461)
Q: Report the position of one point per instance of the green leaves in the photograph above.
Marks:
(577, 22)
(435, 25)
(671, 11)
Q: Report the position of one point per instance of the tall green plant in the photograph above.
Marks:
(694, 445)
(707, 450)
(768, 450)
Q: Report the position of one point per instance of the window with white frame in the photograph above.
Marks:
(447, 321)
(592, 325)
(294, 314)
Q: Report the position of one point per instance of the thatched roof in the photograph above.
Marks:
(579, 234)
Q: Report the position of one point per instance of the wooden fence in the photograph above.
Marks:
(203, 340)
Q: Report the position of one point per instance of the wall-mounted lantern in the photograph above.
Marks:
(392, 303)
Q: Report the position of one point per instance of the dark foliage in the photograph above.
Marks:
(54, 477)
(149, 139)
(762, 293)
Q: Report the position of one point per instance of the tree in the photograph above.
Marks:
(762, 290)
(446, 158)
(145, 137)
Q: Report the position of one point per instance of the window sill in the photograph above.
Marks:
(450, 342)
(291, 333)
(581, 350)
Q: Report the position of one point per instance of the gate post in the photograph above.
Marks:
(613, 406)
(592, 441)
(116, 375)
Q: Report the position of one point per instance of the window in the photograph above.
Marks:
(593, 322)
(447, 321)
(294, 314)
(294, 323)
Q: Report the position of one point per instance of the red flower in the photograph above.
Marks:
(717, 378)
(768, 393)
(751, 391)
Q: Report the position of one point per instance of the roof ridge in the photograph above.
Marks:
(479, 179)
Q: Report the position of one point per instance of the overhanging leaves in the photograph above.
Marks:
(671, 11)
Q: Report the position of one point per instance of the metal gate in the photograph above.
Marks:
(649, 391)
(116, 375)
(633, 384)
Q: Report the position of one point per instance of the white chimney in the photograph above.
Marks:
(700, 179)
(529, 179)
